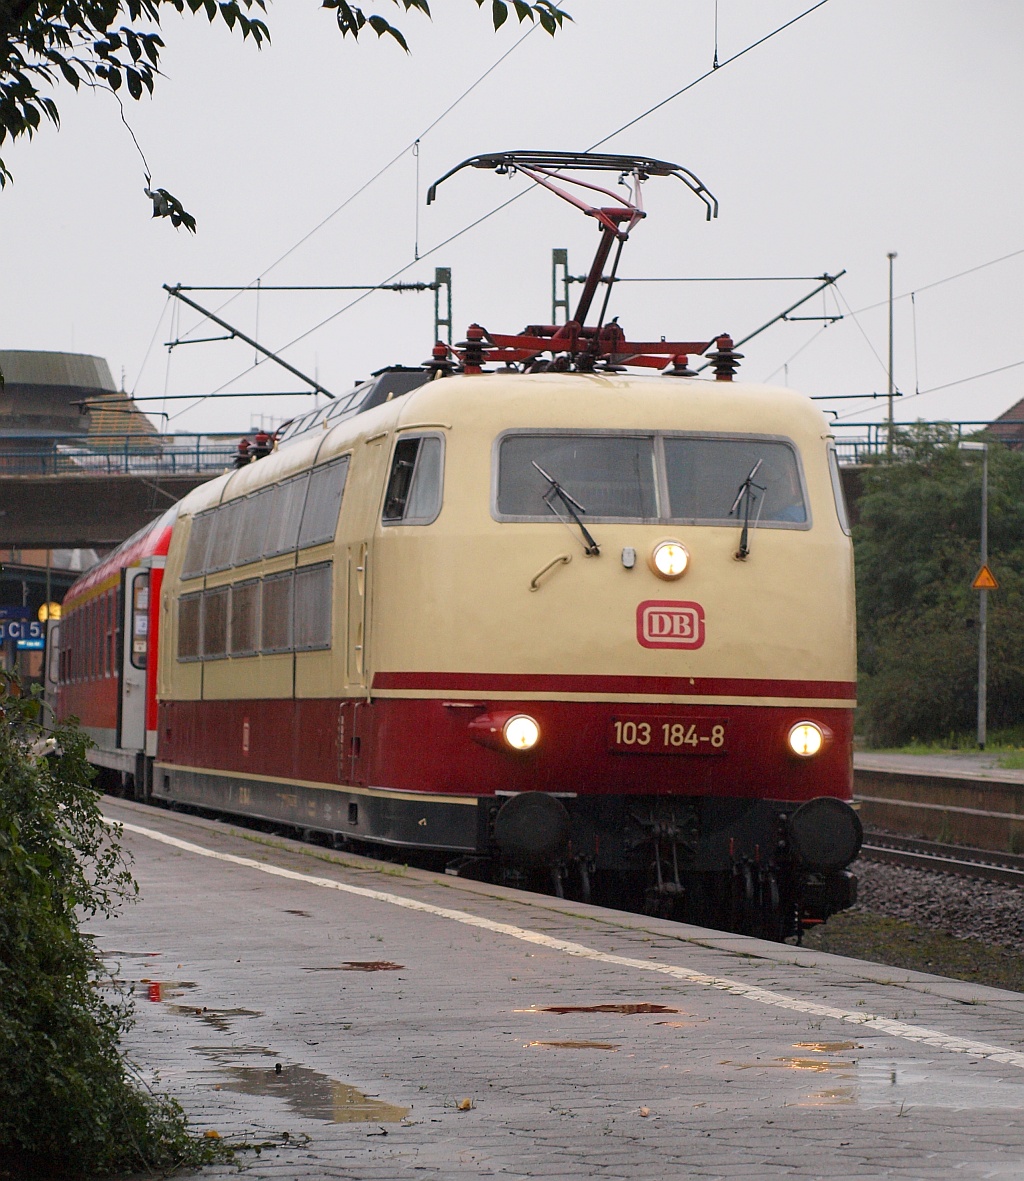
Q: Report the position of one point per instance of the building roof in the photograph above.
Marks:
(1008, 428)
(116, 417)
(76, 370)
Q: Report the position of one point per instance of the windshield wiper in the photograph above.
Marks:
(746, 494)
(571, 505)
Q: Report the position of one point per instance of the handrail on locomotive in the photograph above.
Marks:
(573, 345)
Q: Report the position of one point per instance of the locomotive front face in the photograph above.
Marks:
(648, 617)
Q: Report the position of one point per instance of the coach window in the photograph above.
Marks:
(276, 621)
(313, 607)
(198, 539)
(286, 515)
(416, 482)
(245, 618)
(252, 529)
(189, 626)
(323, 503)
(139, 621)
(705, 474)
(215, 623)
(224, 534)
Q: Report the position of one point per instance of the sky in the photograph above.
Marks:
(867, 127)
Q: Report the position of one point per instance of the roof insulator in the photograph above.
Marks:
(725, 361)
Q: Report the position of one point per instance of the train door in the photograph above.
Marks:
(134, 656)
(358, 614)
(363, 495)
(51, 671)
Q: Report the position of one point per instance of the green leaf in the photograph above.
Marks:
(381, 27)
(70, 73)
(134, 83)
(499, 12)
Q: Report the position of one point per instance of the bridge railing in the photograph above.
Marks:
(121, 455)
(862, 442)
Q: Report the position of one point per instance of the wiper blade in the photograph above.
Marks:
(572, 507)
(746, 495)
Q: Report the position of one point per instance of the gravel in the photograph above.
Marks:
(962, 907)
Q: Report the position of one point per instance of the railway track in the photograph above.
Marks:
(954, 859)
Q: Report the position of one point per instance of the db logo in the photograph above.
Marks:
(663, 623)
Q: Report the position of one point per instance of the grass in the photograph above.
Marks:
(1008, 744)
(901, 944)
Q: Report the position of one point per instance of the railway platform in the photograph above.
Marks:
(954, 798)
(362, 1020)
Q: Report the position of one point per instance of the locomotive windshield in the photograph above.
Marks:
(658, 477)
(610, 476)
(704, 474)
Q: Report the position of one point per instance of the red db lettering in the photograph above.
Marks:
(662, 623)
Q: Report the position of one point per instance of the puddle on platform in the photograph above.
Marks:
(571, 1045)
(831, 1097)
(827, 1047)
(817, 1065)
(628, 1010)
(918, 1084)
(362, 966)
(898, 1084)
(313, 1095)
(220, 1019)
(104, 952)
(162, 990)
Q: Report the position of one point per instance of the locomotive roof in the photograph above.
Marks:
(490, 403)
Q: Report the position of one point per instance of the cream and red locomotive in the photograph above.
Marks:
(553, 624)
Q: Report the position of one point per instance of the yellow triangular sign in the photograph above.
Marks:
(985, 580)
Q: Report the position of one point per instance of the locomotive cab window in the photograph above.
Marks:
(416, 482)
(610, 477)
(663, 477)
(704, 476)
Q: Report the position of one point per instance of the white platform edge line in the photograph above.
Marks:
(870, 1021)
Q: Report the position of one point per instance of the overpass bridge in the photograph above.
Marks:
(64, 494)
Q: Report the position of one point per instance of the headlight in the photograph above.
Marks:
(670, 559)
(521, 732)
(806, 739)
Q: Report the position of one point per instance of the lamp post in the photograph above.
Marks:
(892, 385)
(983, 593)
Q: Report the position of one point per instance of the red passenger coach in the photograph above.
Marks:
(105, 673)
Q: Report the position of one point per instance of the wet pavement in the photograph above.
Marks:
(369, 1022)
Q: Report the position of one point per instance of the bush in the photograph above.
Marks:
(917, 549)
(70, 1104)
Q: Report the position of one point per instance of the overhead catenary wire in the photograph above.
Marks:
(414, 144)
(935, 388)
(505, 204)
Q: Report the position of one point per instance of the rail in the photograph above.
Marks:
(956, 859)
(121, 455)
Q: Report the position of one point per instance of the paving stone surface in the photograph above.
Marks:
(951, 764)
(773, 1061)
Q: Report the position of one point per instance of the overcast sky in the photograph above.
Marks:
(869, 126)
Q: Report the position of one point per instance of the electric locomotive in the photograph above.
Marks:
(550, 622)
